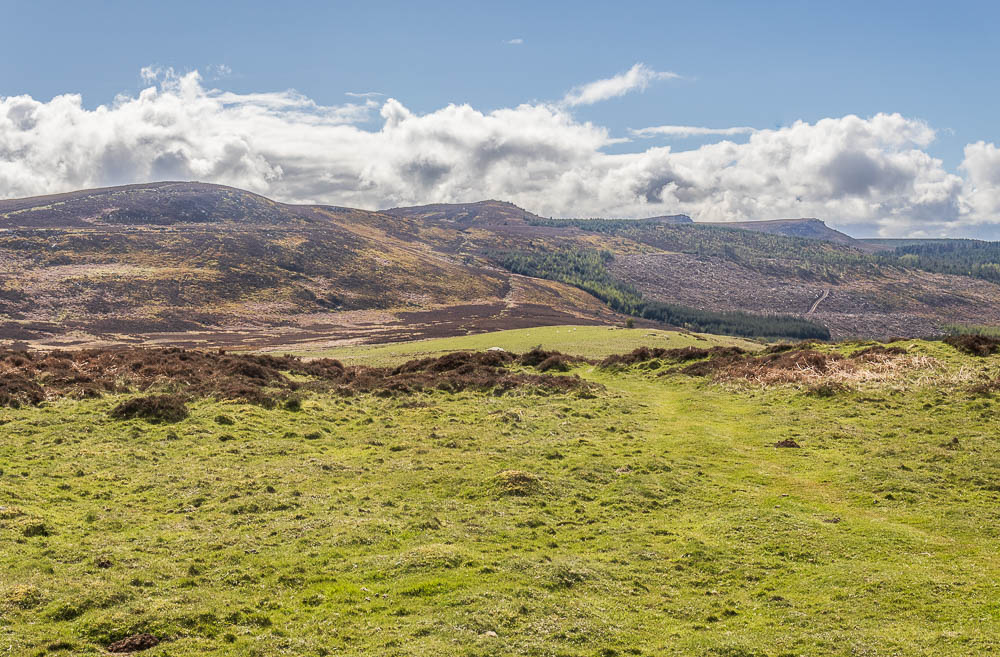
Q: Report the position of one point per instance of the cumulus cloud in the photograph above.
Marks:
(690, 131)
(636, 78)
(872, 172)
(982, 168)
(514, 42)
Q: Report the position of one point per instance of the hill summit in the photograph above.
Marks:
(808, 228)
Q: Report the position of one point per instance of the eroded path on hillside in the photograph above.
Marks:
(820, 299)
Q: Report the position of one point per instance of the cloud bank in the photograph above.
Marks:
(873, 173)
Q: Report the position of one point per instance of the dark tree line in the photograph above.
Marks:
(961, 257)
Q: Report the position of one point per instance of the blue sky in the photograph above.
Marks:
(761, 65)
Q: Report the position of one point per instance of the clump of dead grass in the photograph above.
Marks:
(827, 373)
(813, 368)
(517, 483)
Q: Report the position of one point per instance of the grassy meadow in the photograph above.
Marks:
(653, 517)
(587, 341)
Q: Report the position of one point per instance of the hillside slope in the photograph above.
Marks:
(192, 263)
(224, 265)
(814, 229)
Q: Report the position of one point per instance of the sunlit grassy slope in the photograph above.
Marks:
(655, 518)
(590, 341)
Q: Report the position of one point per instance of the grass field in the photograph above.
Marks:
(653, 518)
(589, 341)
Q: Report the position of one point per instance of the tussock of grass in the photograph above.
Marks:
(517, 483)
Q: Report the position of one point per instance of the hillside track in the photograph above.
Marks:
(820, 299)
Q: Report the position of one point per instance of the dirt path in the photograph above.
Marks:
(820, 299)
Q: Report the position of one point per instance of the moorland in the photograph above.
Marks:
(203, 265)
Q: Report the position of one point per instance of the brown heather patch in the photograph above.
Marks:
(547, 360)
(30, 377)
(985, 388)
(974, 345)
(154, 408)
(681, 355)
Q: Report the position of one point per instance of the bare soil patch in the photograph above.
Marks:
(134, 643)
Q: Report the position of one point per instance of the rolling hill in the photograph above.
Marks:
(199, 264)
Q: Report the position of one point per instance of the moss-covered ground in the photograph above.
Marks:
(655, 518)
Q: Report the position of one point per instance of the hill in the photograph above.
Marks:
(190, 263)
(813, 229)
(197, 264)
(465, 215)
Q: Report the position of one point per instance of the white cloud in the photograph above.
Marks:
(514, 42)
(636, 78)
(690, 131)
(872, 172)
(982, 168)
(219, 71)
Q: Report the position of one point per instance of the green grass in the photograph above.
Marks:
(657, 519)
(591, 341)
